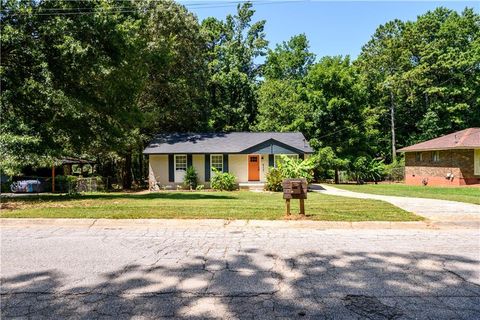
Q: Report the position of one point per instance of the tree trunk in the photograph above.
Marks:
(337, 177)
(392, 125)
(127, 171)
(141, 176)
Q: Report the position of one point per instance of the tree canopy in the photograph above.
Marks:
(100, 78)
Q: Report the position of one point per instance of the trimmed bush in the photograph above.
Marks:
(274, 180)
(223, 181)
(190, 180)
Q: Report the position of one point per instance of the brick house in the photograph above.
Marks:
(450, 160)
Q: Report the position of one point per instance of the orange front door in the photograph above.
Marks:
(253, 168)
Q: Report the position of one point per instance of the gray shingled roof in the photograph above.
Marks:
(234, 142)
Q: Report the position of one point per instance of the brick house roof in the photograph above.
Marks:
(464, 139)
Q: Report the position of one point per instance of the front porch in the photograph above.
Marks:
(251, 186)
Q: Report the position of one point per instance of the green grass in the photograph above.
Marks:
(462, 194)
(222, 205)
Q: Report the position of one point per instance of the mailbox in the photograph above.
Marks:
(295, 189)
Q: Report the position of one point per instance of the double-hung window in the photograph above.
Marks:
(279, 159)
(181, 162)
(216, 161)
(435, 156)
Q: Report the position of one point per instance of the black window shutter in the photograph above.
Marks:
(189, 160)
(171, 168)
(207, 167)
(225, 162)
(271, 160)
(301, 156)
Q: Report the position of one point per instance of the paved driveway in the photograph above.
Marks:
(208, 271)
(446, 212)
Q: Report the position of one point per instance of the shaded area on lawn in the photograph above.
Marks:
(179, 195)
(198, 205)
(374, 285)
(462, 194)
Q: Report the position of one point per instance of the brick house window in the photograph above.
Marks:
(435, 156)
(476, 160)
(418, 156)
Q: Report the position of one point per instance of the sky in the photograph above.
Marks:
(332, 27)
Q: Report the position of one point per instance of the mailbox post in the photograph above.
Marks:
(295, 189)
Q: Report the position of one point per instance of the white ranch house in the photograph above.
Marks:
(247, 155)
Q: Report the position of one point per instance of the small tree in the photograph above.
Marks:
(327, 160)
(190, 180)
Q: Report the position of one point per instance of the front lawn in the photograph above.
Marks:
(462, 194)
(221, 205)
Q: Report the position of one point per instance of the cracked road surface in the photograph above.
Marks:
(231, 272)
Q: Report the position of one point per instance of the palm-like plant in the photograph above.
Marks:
(297, 168)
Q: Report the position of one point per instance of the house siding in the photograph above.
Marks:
(157, 170)
(238, 166)
(199, 165)
(459, 163)
(161, 167)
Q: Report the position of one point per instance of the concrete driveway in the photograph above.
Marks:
(112, 270)
(442, 212)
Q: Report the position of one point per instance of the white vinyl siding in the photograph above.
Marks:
(278, 158)
(476, 160)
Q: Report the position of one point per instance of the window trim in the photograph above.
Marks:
(211, 163)
(175, 161)
(277, 156)
(419, 156)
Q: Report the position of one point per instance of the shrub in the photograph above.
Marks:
(223, 181)
(66, 184)
(274, 180)
(365, 169)
(190, 180)
(395, 171)
(297, 168)
(200, 187)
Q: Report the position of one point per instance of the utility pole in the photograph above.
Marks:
(392, 124)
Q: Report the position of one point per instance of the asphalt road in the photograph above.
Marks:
(231, 272)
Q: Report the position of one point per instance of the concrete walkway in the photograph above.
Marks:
(439, 211)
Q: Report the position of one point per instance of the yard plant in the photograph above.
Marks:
(223, 181)
(190, 179)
